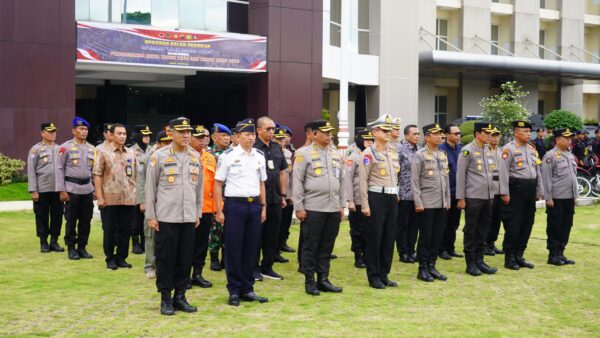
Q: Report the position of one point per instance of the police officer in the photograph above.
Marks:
(114, 179)
(200, 140)
(539, 143)
(41, 178)
(474, 192)
(162, 140)
(358, 222)
(596, 143)
(282, 136)
(580, 149)
(560, 190)
(354, 147)
(319, 201)
(141, 140)
(242, 170)
(431, 193)
(378, 170)
(395, 134)
(492, 236)
(173, 209)
(221, 137)
(74, 181)
(275, 186)
(520, 186)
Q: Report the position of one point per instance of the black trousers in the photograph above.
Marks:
(48, 207)
(380, 235)
(453, 216)
(78, 216)
(116, 230)
(518, 216)
(358, 226)
(408, 228)
(492, 236)
(174, 248)
(320, 229)
(431, 230)
(269, 239)
(201, 240)
(137, 224)
(559, 223)
(286, 222)
(478, 214)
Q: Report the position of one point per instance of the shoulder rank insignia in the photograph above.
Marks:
(465, 153)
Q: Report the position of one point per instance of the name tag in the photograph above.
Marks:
(128, 170)
(270, 164)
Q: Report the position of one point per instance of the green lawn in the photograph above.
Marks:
(14, 192)
(45, 294)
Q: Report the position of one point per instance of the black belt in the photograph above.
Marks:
(80, 181)
(526, 181)
(254, 199)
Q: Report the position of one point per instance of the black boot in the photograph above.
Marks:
(323, 284)
(434, 273)
(565, 259)
(522, 261)
(510, 261)
(166, 304)
(359, 262)
(214, 261)
(222, 263)
(198, 280)
(44, 247)
(488, 250)
(135, 245)
(54, 246)
(471, 265)
(72, 253)
(310, 286)
(482, 266)
(423, 273)
(83, 252)
(181, 304)
(554, 258)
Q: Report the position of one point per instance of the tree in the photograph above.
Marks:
(504, 108)
(563, 119)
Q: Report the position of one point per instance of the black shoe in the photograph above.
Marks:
(166, 304)
(510, 261)
(181, 304)
(253, 297)
(111, 264)
(482, 266)
(489, 251)
(498, 251)
(523, 263)
(405, 258)
(54, 246)
(445, 255)
(214, 261)
(72, 253)
(82, 252)
(271, 274)
(455, 254)
(311, 288)
(565, 259)
(389, 283)
(554, 259)
(123, 264)
(257, 276)
(334, 256)
(44, 247)
(234, 300)
(137, 249)
(286, 248)
(325, 285)
(434, 273)
(198, 280)
(376, 284)
(280, 259)
(359, 262)
(423, 273)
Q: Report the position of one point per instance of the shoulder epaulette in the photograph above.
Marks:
(260, 151)
(228, 151)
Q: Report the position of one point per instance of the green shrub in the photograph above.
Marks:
(590, 122)
(9, 168)
(563, 119)
(466, 132)
(502, 109)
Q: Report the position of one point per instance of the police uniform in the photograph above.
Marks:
(41, 178)
(378, 170)
(137, 223)
(474, 185)
(74, 176)
(580, 150)
(115, 167)
(358, 221)
(431, 191)
(496, 204)
(242, 172)
(216, 235)
(520, 178)
(209, 169)
(174, 199)
(288, 212)
(318, 190)
(559, 175)
(540, 145)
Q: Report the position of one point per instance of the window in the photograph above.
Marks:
(541, 107)
(542, 43)
(495, 38)
(542, 3)
(335, 23)
(441, 110)
(441, 30)
(164, 14)
(137, 12)
(363, 27)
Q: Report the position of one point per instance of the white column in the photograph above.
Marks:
(345, 45)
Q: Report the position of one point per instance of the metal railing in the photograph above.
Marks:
(438, 39)
(491, 43)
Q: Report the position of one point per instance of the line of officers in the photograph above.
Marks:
(395, 190)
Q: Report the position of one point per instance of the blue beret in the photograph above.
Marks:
(287, 129)
(219, 128)
(78, 121)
